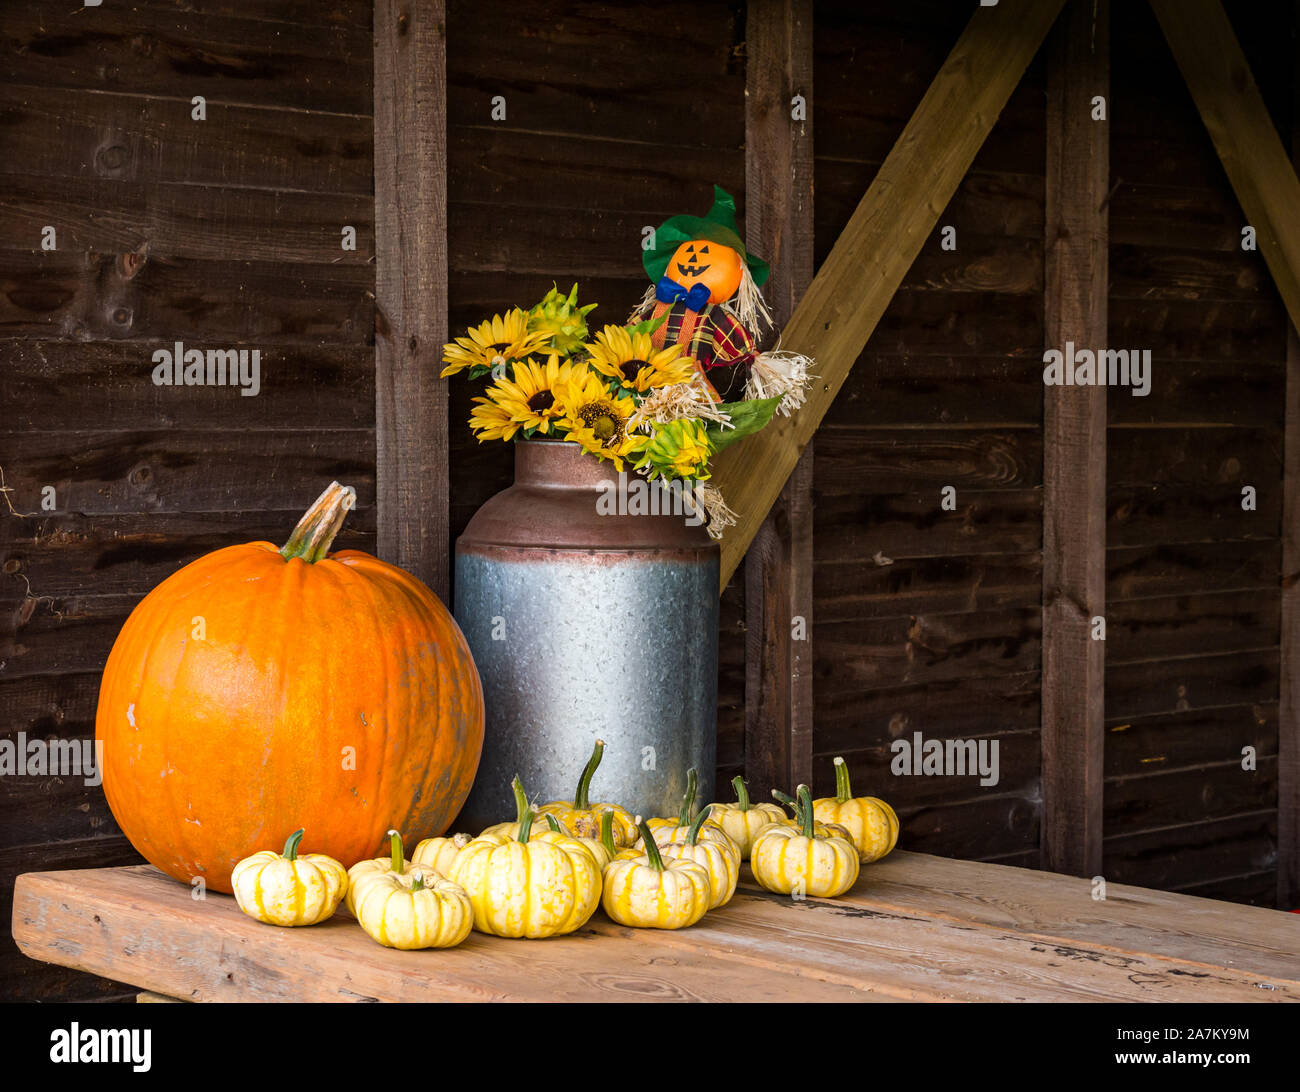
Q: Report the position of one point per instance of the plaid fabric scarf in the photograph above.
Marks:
(712, 336)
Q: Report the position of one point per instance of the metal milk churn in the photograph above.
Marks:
(588, 622)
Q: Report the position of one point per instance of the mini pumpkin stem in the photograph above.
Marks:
(805, 810)
(291, 846)
(742, 793)
(607, 833)
(395, 841)
(581, 797)
(525, 827)
(787, 800)
(651, 848)
(688, 801)
(554, 824)
(693, 835)
(312, 538)
(843, 793)
(417, 884)
(521, 799)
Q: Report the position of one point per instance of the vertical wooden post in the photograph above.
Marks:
(779, 226)
(1288, 720)
(411, 287)
(1074, 442)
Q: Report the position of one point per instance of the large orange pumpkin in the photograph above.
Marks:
(259, 690)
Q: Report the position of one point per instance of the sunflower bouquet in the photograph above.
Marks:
(612, 392)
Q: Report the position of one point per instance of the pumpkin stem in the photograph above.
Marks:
(842, 791)
(787, 800)
(607, 833)
(742, 793)
(521, 799)
(395, 840)
(581, 797)
(312, 538)
(525, 827)
(417, 884)
(693, 835)
(805, 810)
(651, 848)
(688, 801)
(291, 846)
(554, 824)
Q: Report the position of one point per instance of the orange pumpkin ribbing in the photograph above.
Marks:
(338, 695)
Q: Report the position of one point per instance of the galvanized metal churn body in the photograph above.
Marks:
(588, 622)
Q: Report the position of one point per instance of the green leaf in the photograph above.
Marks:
(746, 417)
(649, 326)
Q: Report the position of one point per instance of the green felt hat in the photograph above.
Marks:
(718, 225)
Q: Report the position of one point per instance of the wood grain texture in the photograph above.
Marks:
(167, 51)
(779, 224)
(1211, 61)
(1074, 444)
(921, 929)
(855, 284)
(65, 133)
(411, 471)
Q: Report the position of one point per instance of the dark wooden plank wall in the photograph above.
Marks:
(928, 620)
(617, 117)
(1193, 593)
(945, 639)
(241, 215)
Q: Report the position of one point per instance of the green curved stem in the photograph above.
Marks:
(521, 798)
(742, 793)
(805, 812)
(607, 833)
(651, 848)
(693, 835)
(582, 796)
(554, 824)
(688, 801)
(525, 827)
(786, 799)
(312, 538)
(843, 793)
(291, 846)
(398, 855)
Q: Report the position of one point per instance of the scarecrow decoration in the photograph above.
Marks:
(704, 296)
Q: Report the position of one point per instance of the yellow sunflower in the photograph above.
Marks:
(632, 361)
(500, 340)
(597, 420)
(530, 398)
(489, 420)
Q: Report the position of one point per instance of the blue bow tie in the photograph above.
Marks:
(669, 291)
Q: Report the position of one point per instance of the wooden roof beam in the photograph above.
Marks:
(885, 234)
(1257, 165)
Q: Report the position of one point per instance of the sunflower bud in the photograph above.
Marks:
(678, 449)
(560, 317)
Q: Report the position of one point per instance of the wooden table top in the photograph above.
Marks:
(915, 928)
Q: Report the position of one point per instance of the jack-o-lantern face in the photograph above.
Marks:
(699, 261)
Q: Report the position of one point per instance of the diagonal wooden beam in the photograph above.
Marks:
(1262, 175)
(1257, 165)
(899, 211)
